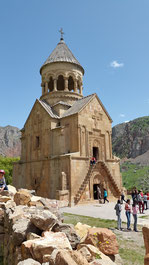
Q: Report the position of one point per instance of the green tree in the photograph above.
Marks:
(6, 163)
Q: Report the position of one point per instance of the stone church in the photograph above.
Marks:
(61, 134)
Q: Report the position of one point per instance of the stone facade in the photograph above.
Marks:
(63, 131)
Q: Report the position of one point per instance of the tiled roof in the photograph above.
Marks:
(78, 105)
(75, 108)
(47, 107)
(62, 54)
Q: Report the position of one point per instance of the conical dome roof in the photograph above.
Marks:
(62, 54)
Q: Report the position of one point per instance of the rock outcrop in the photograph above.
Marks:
(36, 235)
(131, 139)
(10, 144)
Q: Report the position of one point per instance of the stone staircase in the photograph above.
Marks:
(118, 191)
(84, 184)
(89, 173)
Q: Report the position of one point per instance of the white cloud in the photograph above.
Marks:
(115, 64)
(126, 121)
(122, 115)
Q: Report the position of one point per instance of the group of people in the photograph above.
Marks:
(139, 200)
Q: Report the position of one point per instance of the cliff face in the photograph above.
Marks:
(131, 139)
(10, 144)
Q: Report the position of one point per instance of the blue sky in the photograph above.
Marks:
(110, 38)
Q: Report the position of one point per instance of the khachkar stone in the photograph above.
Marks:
(62, 132)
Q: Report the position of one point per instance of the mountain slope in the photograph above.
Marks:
(131, 139)
(10, 144)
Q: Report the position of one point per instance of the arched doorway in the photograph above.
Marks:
(98, 181)
(60, 83)
(95, 191)
(96, 152)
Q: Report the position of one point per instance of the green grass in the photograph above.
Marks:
(131, 255)
(135, 176)
(144, 217)
(74, 219)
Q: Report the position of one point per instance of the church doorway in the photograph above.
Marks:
(96, 153)
(95, 191)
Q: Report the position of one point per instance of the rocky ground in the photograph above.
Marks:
(32, 232)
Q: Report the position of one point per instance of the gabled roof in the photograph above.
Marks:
(74, 109)
(62, 54)
(48, 108)
(77, 106)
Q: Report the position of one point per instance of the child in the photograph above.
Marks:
(134, 212)
(128, 213)
(105, 195)
(118, 209)
(3, 185)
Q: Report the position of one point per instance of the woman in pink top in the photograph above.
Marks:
(134, 212)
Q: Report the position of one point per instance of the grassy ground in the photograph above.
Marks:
(131, 245)
(135, 176)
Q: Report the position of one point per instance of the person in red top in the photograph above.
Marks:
(93, 161)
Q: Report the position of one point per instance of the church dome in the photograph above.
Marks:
(62, 54)
(62, 76)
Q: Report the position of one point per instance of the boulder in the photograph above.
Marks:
(20, 230)
(12, 189)
(32, 236)
(45, 220)
(31, 192)
(104, 239)
(70, 232)
(70, 257)
(145, 231)
(102, 262)
(45, 246)
(29, 262)
(50, 258)
(1, 216)
(52, 206)
(82, 229)
(22, 197)
(94, 252)
(35, 201)
(26, 249)
(4, 199)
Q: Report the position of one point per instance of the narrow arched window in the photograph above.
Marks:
(60, 83)
(78, 86)
(70, 83)
(51, 84)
